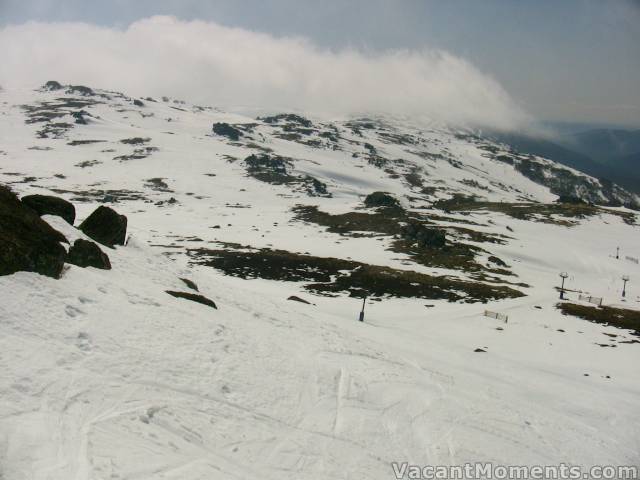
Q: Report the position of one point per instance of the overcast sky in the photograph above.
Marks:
(573, 60)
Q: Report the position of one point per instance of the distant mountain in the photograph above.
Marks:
(605, 144)
(610, 154)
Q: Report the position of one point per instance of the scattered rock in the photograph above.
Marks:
(50, 205)
(105, 226)
(84, 253)
(189, 283)
(27, 243)
(480, 350)
(298, 299)
(193, 297)
(138, 103)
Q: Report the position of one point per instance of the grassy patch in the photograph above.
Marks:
(555, 213)
(615, 317)
(453, 255)
(332, 276)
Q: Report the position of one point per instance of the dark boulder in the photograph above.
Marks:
(423, 236)
(84, 253)
(49, 205)
(138, 103)
(105, 226)
(27, 243)
(194, 297)
(226, 130)
(381, 199)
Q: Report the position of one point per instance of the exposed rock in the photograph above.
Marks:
(497, 261)
(50, 205)
(84, 253)
(138, 103)
(287, 117)
(79, 116)
(425, 237)
(27, 243)
(105, 226)
(79, 90)
(226, 130)
(135, 141)
(190, 283)
(480, 350)
(298, 299)
(52, 85)
(193, 297)
(381, 199)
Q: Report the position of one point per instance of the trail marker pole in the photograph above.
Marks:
(563, 275)
(361, 318)
(625, 279)
(617, 253)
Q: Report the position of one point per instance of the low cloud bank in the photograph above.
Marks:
(209, 63)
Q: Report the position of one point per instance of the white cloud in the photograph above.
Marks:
(210, 63)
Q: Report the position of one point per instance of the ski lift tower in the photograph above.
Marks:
(625, 279)
(563, 275)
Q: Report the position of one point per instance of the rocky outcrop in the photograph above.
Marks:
(423, 236)
(84, 253)
(105, 226)
(226, 130)
(50, 205)
(52, 85)
(381, 199)
(27, 243)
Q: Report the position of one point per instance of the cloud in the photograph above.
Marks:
(209, 63)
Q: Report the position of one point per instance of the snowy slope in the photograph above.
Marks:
(104, 375)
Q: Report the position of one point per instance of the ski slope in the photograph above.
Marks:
(104, 375)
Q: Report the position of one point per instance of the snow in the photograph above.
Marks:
(104, 375)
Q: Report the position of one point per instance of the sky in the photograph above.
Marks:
(457, 60)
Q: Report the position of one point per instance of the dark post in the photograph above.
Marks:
(563, 275)
(617, 252)
(625, 279)
(362, 312)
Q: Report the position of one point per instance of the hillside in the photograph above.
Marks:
(106, 375)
